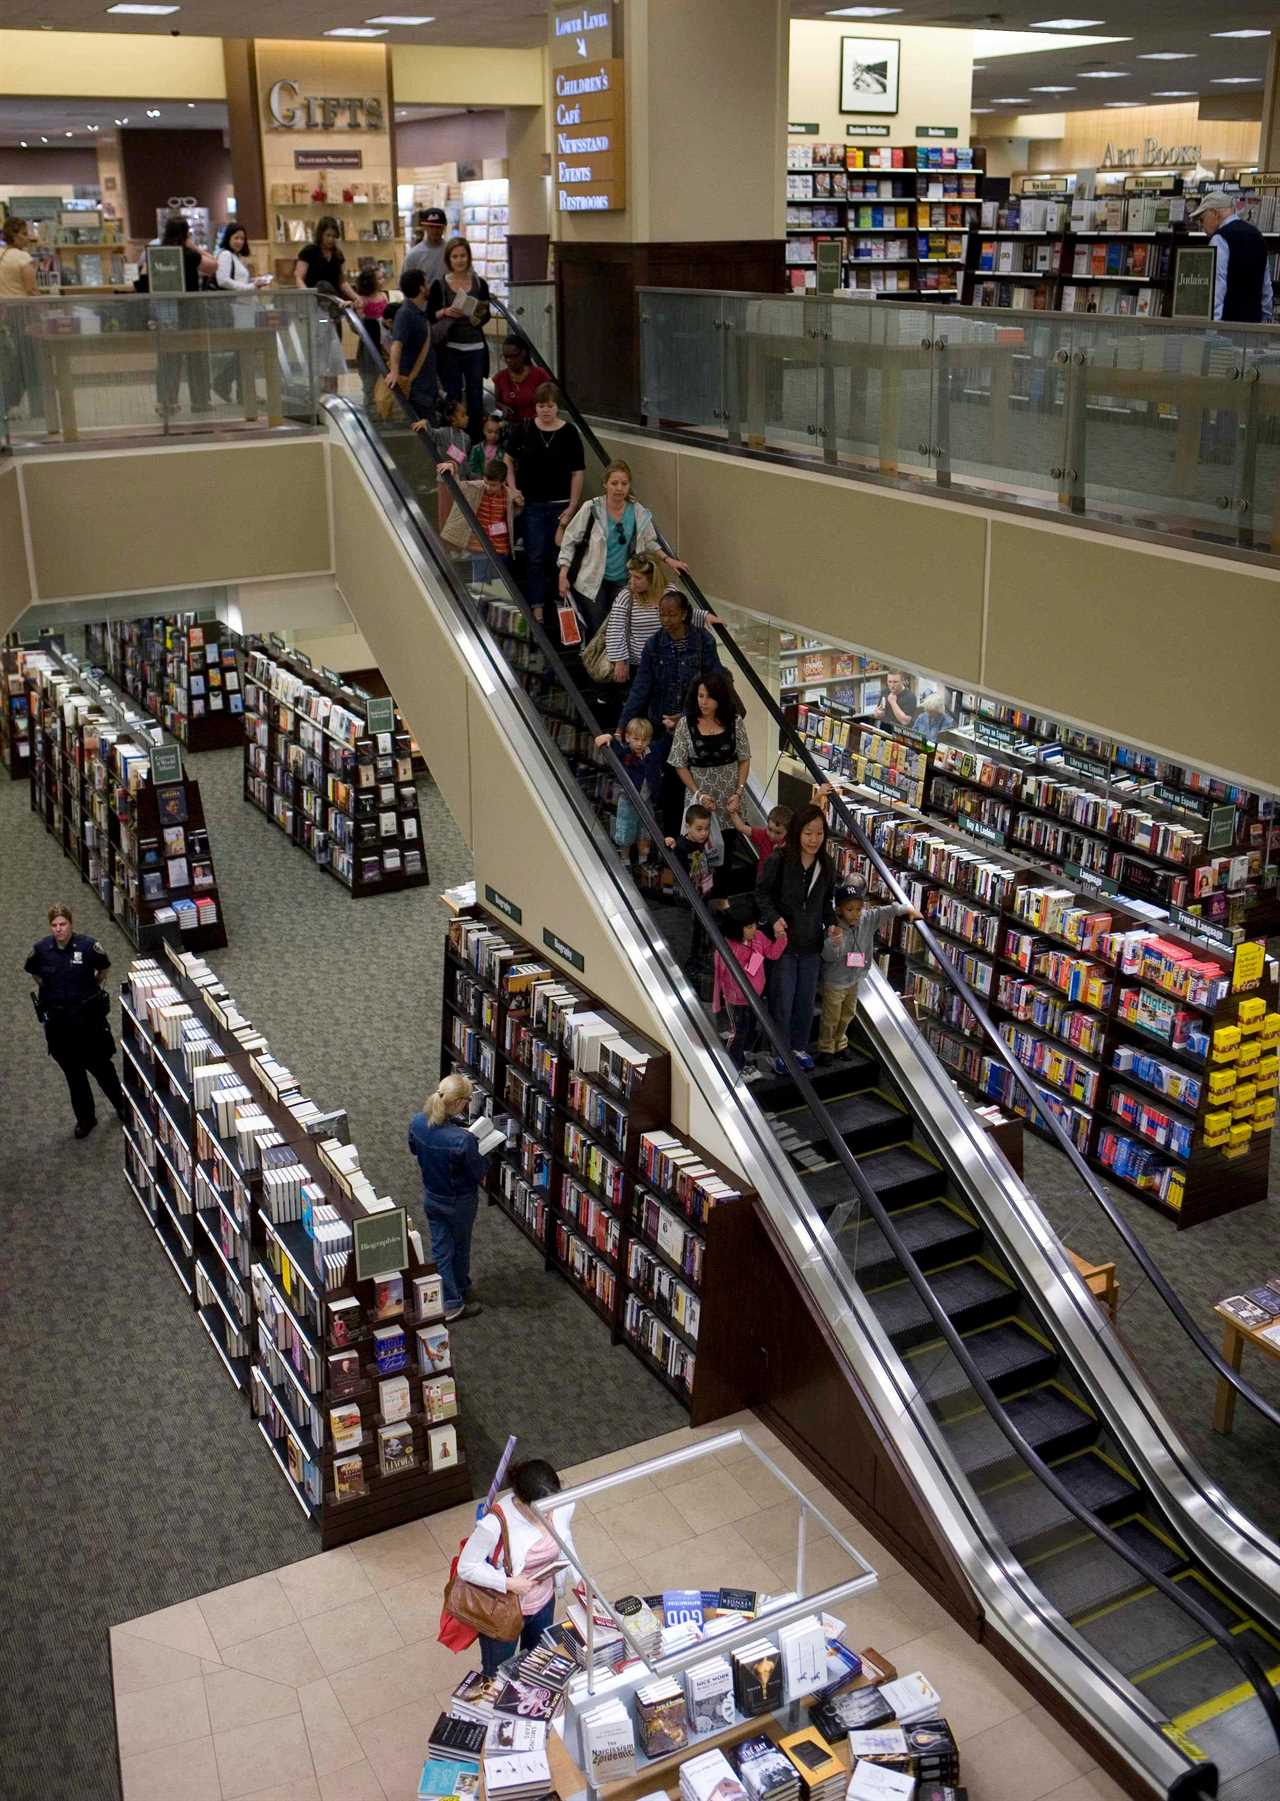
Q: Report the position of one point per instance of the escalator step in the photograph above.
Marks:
(775, 1093)
(1029, 1517)
(1048, 1419)
(1152, 1628)
(1008, 1357)
(1090, 1575)
(901, 1175)
(865, 1121)
(970, 1294)
(933, 1232)
(1194, 1680)
(1243, 1746)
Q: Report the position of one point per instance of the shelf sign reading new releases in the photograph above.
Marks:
(589, 163)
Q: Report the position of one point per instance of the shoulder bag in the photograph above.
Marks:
(595, 658)
(384, 395)
(485, 1610)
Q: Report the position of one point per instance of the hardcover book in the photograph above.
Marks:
(442, 1447)
(389, 1348)
(439, 1399)
(348, 1478)
(395, 1449)
(394, 1399)
(388, 1296)
(345, 1427)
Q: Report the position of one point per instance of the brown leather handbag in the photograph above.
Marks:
(487, 1611)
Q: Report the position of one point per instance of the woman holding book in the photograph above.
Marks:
(458, 308)
(537, 1564)
(453, 1167)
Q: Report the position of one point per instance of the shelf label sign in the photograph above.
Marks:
(1193, 279)
(1087, 766)
(508, 907)
(381, 1244)
(830, 258)
(380, 713)
(331, 675)
(328, 159)
(803, 128)
(866, 131)
(937, 131)
(555, 943)
(1192, 923)
(165, 272)
(1222, 828)
(166, 764)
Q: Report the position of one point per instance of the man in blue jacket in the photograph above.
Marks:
(676, 655)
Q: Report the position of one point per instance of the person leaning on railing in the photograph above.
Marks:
(17, 282)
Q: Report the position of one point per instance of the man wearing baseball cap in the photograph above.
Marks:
(429, 254)
(1242, 282)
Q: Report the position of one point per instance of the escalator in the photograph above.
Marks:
(1091, 1540)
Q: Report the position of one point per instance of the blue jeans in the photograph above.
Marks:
(541, 519)
(494, 1651)
(462, 372)
(450, 1219)
(793, 988)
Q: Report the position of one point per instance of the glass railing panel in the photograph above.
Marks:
(106, 365)
(682, 376)
(532, 304)
(880, 406)
(1260, 515)
(772, 373)
(998, 399)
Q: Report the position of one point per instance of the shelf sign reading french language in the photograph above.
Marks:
(589, 166)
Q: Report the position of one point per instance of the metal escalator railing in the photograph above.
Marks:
(995, 1043)
(1252, 1673)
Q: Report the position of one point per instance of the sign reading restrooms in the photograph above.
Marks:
(589, 106)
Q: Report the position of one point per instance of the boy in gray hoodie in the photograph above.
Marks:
(847, 954)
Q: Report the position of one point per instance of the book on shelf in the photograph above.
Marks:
(608, 1744)
(710, 1777)
(442, 1447)
(395, 1401)
(349, 1479)
(709, 1696)
(439, 1399)
(396, 1452)
(457, 1739)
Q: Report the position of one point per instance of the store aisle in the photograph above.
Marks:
(135, 1478)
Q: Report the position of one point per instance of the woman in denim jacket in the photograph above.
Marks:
(452, 1170)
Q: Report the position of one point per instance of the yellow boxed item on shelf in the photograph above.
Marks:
(1242, 1133)
(1267, 1072)
(1174, 1193)
(1216, 1125)
(1251, 1013)
(1243, 1098)
(1250, 1051)
(1217, 1142)
(1221, 1082)
(1271, 1029)
(1226, 1044)
(1264, 1113)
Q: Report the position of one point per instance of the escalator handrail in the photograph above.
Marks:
(1248, 1666)
(995, 1042)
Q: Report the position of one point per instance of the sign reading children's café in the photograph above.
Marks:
(589, 162)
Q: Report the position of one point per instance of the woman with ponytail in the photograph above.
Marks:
(452, 1170)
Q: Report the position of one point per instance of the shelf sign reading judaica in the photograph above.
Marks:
(289, 109)
(589, 163)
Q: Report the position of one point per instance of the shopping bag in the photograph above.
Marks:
(715, 841)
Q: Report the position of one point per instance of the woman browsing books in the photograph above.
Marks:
(453, 1167)
(537, 1564)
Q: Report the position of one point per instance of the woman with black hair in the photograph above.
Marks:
(537, 1564)
(322, 260)
(710, 751)
(795, 893)
(196, 264)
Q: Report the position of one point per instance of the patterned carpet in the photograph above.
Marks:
(135, 1480)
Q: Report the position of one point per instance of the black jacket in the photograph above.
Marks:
(69, 978)
(804, 898)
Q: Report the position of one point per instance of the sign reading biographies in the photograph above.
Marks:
(589, 162)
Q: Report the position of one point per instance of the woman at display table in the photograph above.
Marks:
(549, 462)
(602, 538)
(17, 282)
(458, 308)
(676, 656)
(710, 751)
(321, 262)
(517, 382)
(537, 1565)
(795, 894)
(452, 1168)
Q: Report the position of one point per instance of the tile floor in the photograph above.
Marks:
(320, 1681)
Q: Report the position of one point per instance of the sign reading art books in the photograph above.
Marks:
(382, 1244)
(589, 160)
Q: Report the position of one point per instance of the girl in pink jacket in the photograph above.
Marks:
(752, 948)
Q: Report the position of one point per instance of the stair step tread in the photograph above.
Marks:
(967, 1286)
(1026, 1509)
(776, 1092)
(850, 1115)
(1042, 1416)
(1261, 1783)
(1089, 1575)
(1209, 1673)
(935, 1227)
(896, 1167)
(1002, 1353)
(1151, 1628)
(1241, 1742)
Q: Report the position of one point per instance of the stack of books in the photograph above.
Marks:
(443, 1780)
(516, 1775)
(931, 1747)
(822, 1775)
(457, 1739)
(766, 1774)
(662, 1721)
(913, 1698)
(757, 1677)
(474, 1697)
(709, 1696)
(803, 1646)
(608, 1744)
(710, 1775)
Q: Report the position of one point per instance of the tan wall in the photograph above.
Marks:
(935, 85)
(449, 75)
(120, 522)
(1045, 614)
(15, 579)
(124, 65)
(1087, 134)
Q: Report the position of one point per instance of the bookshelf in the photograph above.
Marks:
(332, 767)
(140, 843)
(904, 215)
(254, 1198)
(636, 1218)
(365, 211)
(15, 714)
(183, 670)
(485, 214)
(810, 666)
(1132, 1028)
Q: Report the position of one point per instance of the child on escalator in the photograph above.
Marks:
(847, 953)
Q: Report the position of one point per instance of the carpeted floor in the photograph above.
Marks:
(135, 1479)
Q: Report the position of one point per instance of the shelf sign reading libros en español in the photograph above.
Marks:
(590, 161)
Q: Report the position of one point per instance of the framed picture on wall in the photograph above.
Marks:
(869, 75)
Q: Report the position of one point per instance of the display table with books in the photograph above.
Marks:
(1251, 1318)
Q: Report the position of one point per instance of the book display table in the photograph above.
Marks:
(1264, 1336)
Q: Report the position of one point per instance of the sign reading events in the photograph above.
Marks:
(589, 162)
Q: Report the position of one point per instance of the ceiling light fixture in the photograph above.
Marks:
(355, 31)
(1064, 24)
(153, 112)
(1010, 99)
(1102, 74)
(131, 6)
(862, 12)
(1233, 81)
(1166, 56)
(191, 106)
(44, 140)
(402, 19)
(91, 128)
(1053, 90)
(1240, 34)
(22, 143)
(1172, 93)
(982, 109)
(68, 134)
(1121, 102)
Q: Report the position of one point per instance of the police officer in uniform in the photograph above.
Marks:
(72, 1005)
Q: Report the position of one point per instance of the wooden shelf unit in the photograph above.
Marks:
(324, 787)
(91, 785)
(252, 1279)
(573, 1181)
(15, 712)
(162, 660)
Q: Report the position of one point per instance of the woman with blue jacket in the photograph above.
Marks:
(452, 1170)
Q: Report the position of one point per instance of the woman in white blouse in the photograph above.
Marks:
(235, 275)
(537, 1565)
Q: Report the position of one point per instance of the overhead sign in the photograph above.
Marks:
(866, 131)
(584, 31)
(937, 131)
(589, 163)
(803, 128)
(328, 159)
(289, 109)
(1150, 154)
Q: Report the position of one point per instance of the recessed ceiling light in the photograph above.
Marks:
(91, 128)
(1064, 24)
(1172, 93)
(1102, 74)
(982, 109)
(68, 134)
(1232, 81)
(862, 12)
(1053, 90)
(44, 140)
(402, 19)
(153, 112)
(191, 105)
(1240, 34)
(354, 31)
(1010, 99)
(134, 6)
(1165, 56)
(22, 143)
(1122, 103)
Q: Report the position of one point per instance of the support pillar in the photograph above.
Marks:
(527, 231)
(1269, 132)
